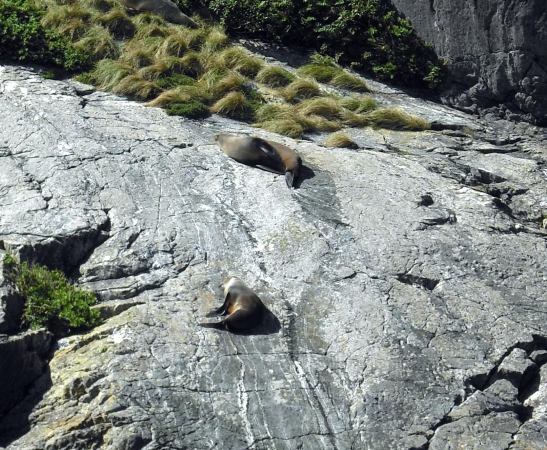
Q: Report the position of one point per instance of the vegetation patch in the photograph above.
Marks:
(368, 35)
(340, 139)
(24, 39)
(275, 76)
(50, 300)
(397, 119)
(192, 109)
(193, 72)
(325, 70)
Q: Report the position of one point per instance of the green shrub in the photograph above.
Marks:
(175, 80)
(50, 300)
(191, 109)
(24, 39)
(369, 35)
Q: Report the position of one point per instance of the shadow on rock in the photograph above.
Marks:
(305, 173)
(17, 423)
(269, 325)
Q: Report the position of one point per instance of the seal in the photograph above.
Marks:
(165, 8)
(264, 154)
(244, 308)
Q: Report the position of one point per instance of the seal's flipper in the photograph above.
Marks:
(222, 310)
(268, 169)
(268, 149)
(289, 179)
(216, 325)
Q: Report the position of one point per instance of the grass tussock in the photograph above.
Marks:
(240, 60)
(326, 71)
(118, 23)
(341, 140)
(191, 109)
(321, 73)
(359, 105)
(235, 106)
(136, 86)
(167, 98)
(346, 80)
(108, 73)
(397, 119)
(300, 89)
(326, 107)
(274, 76)
(138, 58)
(98, 43)
(174, 45)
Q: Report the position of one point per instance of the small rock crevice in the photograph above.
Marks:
(420, 282)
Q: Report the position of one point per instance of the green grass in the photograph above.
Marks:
(191, 109)
(324, 70)
(192, 72)
(275, 76)
(300, 89)
(397, 119)
(50, 300)
(235, 106)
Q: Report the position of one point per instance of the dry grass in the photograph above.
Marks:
(351, 82)
(169, 97)
(340, 139)
(322, 73)
(274, 76)
(98, 43)
(326, 107)
(300, 89)
(240, 60)
(174, 45)
(136, 86)
(361, 104)
(397, 119)
(234, 105)
(328, 72)
(118, 23)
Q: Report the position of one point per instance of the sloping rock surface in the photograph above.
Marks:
(496, 50)
(406, 280)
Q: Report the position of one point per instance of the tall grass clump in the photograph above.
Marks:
(397, 119)
(341, 140)
(274, 76)
(235, 106)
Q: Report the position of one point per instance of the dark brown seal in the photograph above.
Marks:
(244, 308)
(264, 154)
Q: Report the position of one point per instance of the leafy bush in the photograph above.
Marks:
(191, 109)
(368, 34)
(24, 39)
(50, 300)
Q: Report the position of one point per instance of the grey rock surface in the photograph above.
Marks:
(407, 279)
(495, 48)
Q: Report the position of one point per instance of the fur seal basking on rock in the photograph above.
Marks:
(267, 155)
(244, 307)
(165, 8)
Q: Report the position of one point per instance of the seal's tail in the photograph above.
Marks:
(217, 325)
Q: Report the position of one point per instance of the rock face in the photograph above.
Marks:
(407, 279)
(495, 48)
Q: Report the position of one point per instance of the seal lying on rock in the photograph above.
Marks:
(165, 8)
(267, 155)
(244, 307)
